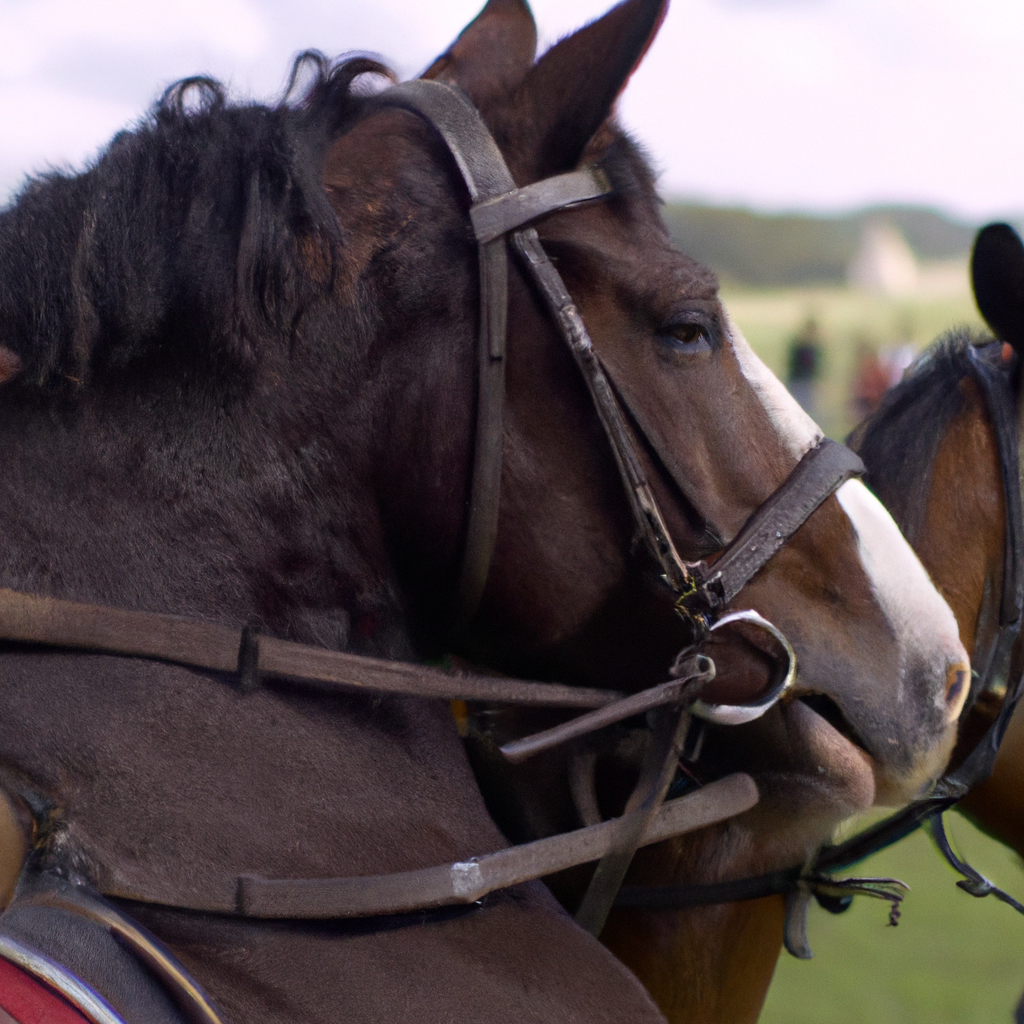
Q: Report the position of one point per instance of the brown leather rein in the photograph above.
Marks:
(499, 211)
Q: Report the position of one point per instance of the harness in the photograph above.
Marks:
(501, 215)
(800, 883)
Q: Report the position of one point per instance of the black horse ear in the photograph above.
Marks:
(492, 54)
(571, 91)
(997, 274)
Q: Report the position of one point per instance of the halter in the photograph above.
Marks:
(800, 883)
(500, 213)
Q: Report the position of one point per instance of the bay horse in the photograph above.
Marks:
(933, 455)
(240, 386)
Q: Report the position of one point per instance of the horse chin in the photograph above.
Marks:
(896, 790)
(833, 771)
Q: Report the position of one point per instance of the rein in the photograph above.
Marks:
(499, 213)
(800, 883)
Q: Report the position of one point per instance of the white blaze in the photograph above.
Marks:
(908, 598)
(794, 426)
(921, 619)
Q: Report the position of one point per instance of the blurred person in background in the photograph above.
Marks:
(805, 358)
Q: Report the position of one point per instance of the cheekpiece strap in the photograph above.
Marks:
(498, 208)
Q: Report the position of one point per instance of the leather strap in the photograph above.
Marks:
(679, 575)
(681, 690)
(498, 206)
(822, 470)
(664, 747)
(449, 112)
(493, 218)
(468, 881)
(25, 618)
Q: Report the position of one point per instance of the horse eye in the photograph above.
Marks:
(690, 339)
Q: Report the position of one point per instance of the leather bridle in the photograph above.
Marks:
(800, 883)
(500, 214)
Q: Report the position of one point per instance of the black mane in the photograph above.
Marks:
(180, 242)
(899, 440)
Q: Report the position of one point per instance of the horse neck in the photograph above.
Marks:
(711, 965)
(193, 507)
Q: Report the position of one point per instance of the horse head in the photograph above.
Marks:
(941, 451)
(246, 343)
(882, 674)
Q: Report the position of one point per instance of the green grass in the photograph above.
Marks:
(846, 318)
(953, 959)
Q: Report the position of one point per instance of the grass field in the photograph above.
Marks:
(846, 319)
(953, 959)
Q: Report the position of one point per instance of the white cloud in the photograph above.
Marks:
(776, 103)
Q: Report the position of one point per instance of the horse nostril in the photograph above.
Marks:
(958, 681)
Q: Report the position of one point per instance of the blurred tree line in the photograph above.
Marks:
(786, 250)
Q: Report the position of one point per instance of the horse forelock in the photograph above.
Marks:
(198, 237)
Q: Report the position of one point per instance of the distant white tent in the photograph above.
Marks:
(884, 262)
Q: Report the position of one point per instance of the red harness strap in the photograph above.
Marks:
(29, 1001)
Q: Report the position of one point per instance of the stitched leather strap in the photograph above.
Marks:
(468, 881)
(26, 618)
(498, 206)
(495, 217)
(819, 473)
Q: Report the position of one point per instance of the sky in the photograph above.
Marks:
(815, 105)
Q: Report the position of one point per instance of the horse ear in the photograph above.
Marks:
(997, 274)
(493, 53)
(10, 364)
(571, 91)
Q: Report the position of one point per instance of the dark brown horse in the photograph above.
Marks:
(240, 363)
